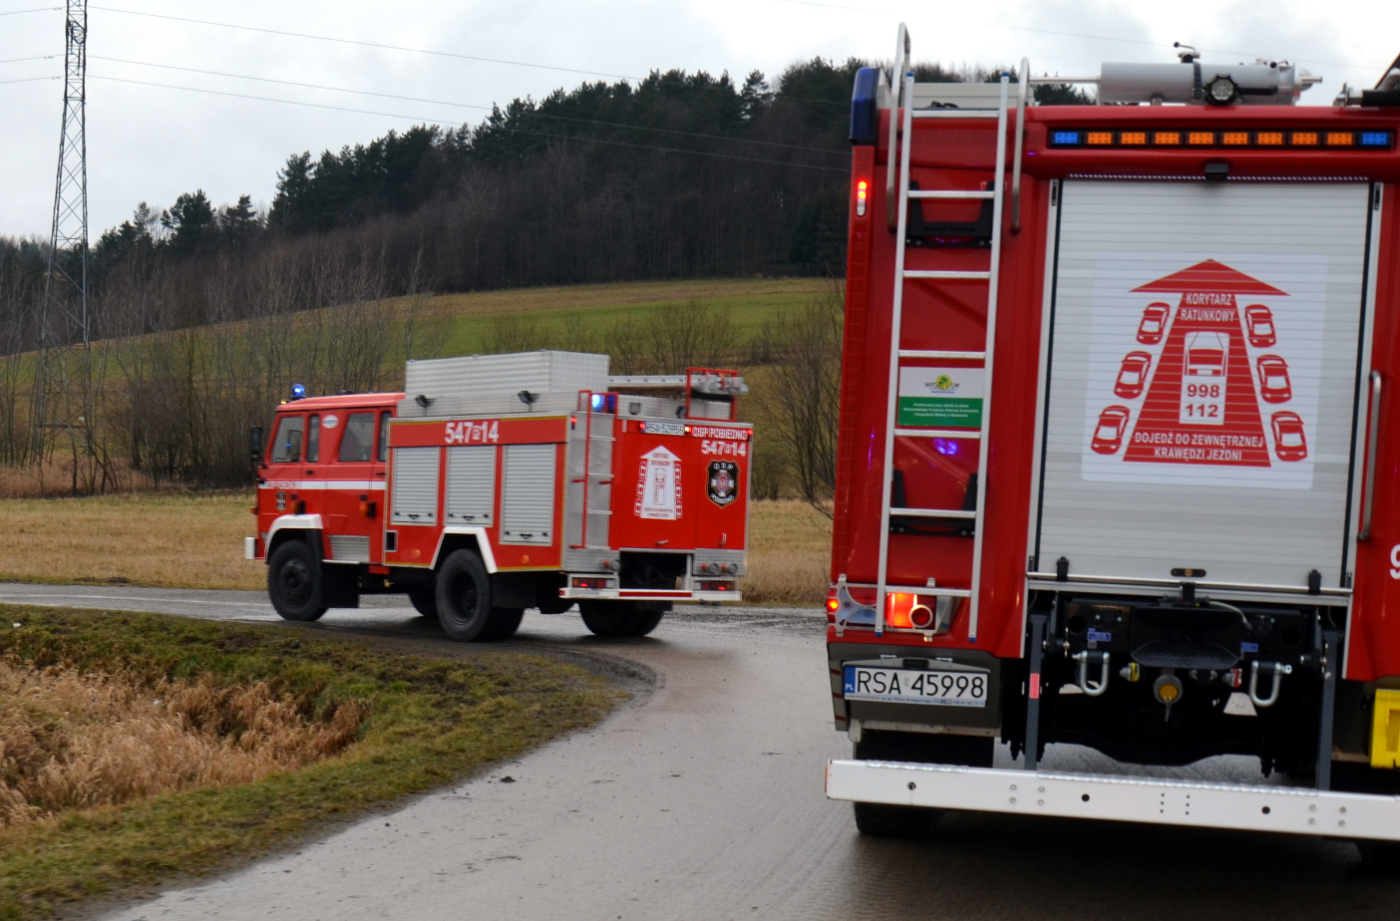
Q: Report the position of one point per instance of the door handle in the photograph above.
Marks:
(1373, 437)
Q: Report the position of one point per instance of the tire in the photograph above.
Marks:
(880, 821)
(463, 596)
(294, 582)
(501, 624)
(646, 621)
(1380, 858)
(608, 618)
(621, 618)
(424, 601)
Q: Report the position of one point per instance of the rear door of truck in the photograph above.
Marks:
(1201, 381)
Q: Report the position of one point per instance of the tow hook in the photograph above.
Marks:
(1278, 669)
(1084, 658)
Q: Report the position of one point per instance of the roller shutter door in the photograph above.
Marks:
(1203, 379)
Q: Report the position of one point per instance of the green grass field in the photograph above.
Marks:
(751, 303)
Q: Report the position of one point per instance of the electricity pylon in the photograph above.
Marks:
(64, 318)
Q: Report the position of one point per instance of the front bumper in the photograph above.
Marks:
(1157, 801)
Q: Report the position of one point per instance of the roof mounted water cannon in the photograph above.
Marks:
(1192, 82)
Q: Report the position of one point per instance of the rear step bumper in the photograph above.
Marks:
(639, 594)
(1293, 810)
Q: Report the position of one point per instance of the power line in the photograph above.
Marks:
(42, 57)
(448, 54)
(289, 102)
(37, 9)
(433, 121)
(28, 79)
(348, 41)
(468, 105)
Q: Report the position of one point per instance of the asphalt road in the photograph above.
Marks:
(703, 800)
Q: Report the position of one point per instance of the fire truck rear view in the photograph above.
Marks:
(1117, 461)
(497, 483)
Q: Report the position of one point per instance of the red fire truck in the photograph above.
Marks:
(497, 483)
(1115, 466)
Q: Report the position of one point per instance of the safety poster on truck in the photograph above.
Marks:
(1207, 375)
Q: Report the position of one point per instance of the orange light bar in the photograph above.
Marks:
(1101, 138)
(1201, 138)
(1304, 139)
(1132, 138)
(1166, 138)
(862, 194)
(1340, 139)
(1269, 139)
(1235, 138)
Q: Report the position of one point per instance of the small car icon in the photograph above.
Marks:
(1108, 434)
(1206, 354)
(1132, 376)
(1259, 321)
(1274, 385)
(1154, 323)
(1289, 441)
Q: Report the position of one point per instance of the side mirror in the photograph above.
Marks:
(255, 445)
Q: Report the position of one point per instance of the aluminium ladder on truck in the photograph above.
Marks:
(904, 113)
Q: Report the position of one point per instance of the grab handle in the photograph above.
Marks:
(1023, 92)
(901, 63)
(1374, 436)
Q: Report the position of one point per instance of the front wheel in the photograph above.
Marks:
(424, 601)
(501, 624)
(294, 582)
(464, 596)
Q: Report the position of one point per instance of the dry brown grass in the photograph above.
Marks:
(76, 741)
(177, 540)
(789, 553)
(195, 540)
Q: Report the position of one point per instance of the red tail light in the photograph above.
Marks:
(899, 607)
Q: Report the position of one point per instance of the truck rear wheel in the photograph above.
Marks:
(647, 621)
(464, 596)
(879, 819)
(294, 582)
(620, 618)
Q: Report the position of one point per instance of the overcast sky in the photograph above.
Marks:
(150, 143)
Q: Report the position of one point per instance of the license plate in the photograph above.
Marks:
(905, 686)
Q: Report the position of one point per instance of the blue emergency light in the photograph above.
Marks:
(298, 391)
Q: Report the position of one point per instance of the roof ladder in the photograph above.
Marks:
(903, 276)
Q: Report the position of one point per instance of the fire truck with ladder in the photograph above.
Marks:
(1119, 456)
(497, 483)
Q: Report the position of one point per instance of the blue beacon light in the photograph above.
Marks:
(298, 391)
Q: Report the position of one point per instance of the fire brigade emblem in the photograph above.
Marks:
(722, 483)
(281, 500)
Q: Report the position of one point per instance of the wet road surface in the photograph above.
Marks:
(703, 800)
